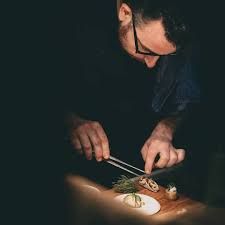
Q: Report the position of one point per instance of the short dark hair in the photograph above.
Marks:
(172, 13)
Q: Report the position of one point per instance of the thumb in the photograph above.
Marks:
(180, 154)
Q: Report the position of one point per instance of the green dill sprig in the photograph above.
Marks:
(124, 185)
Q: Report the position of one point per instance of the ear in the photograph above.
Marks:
(124, 14)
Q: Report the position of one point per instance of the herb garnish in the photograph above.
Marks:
(124, 185)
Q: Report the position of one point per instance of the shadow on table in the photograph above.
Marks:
(91, 206)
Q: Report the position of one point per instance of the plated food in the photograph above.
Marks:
(133, 200)
(149, 184)
(126, 185)
(171, 192)
(143, 203)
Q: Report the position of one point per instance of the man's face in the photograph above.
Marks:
(150, 37)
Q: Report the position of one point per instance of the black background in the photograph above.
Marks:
(207, 24)
(35, 101)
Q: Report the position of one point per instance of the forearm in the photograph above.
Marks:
(166, 128)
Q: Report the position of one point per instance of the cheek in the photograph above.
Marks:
(127, 41)
(130, 48)
(129, 44)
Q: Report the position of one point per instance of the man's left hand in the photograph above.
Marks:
(159, 145)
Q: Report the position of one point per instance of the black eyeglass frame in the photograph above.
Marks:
(136, 43)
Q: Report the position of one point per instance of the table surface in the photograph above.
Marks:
(169, 208)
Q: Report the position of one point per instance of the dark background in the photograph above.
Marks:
(207, 139)
(41, 131)
(207, 160)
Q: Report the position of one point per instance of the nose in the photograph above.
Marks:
(150, 61)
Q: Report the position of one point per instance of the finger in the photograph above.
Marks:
(104, 140)
(96, 144)
(173, 157)
(164, 159)
(86, 145)
(144, 151)
(180, 154)
(150, 158)
(76, 143)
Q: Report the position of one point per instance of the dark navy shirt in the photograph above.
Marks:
(126, 97)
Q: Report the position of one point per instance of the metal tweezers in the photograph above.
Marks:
(115, 162)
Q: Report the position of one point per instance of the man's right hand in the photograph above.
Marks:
(88, 137)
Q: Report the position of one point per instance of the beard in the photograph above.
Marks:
(122, 35)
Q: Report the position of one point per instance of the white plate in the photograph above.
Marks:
(150, 207)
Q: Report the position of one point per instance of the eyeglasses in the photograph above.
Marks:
(136, 43)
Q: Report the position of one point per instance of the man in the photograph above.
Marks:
(136, 88)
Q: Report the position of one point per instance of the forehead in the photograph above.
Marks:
(152, 35)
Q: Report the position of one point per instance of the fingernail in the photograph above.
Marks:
(106, 156)
(147, 172)
(99, 159)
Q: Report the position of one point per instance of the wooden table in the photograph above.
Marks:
(169, 209)
(182, 208)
